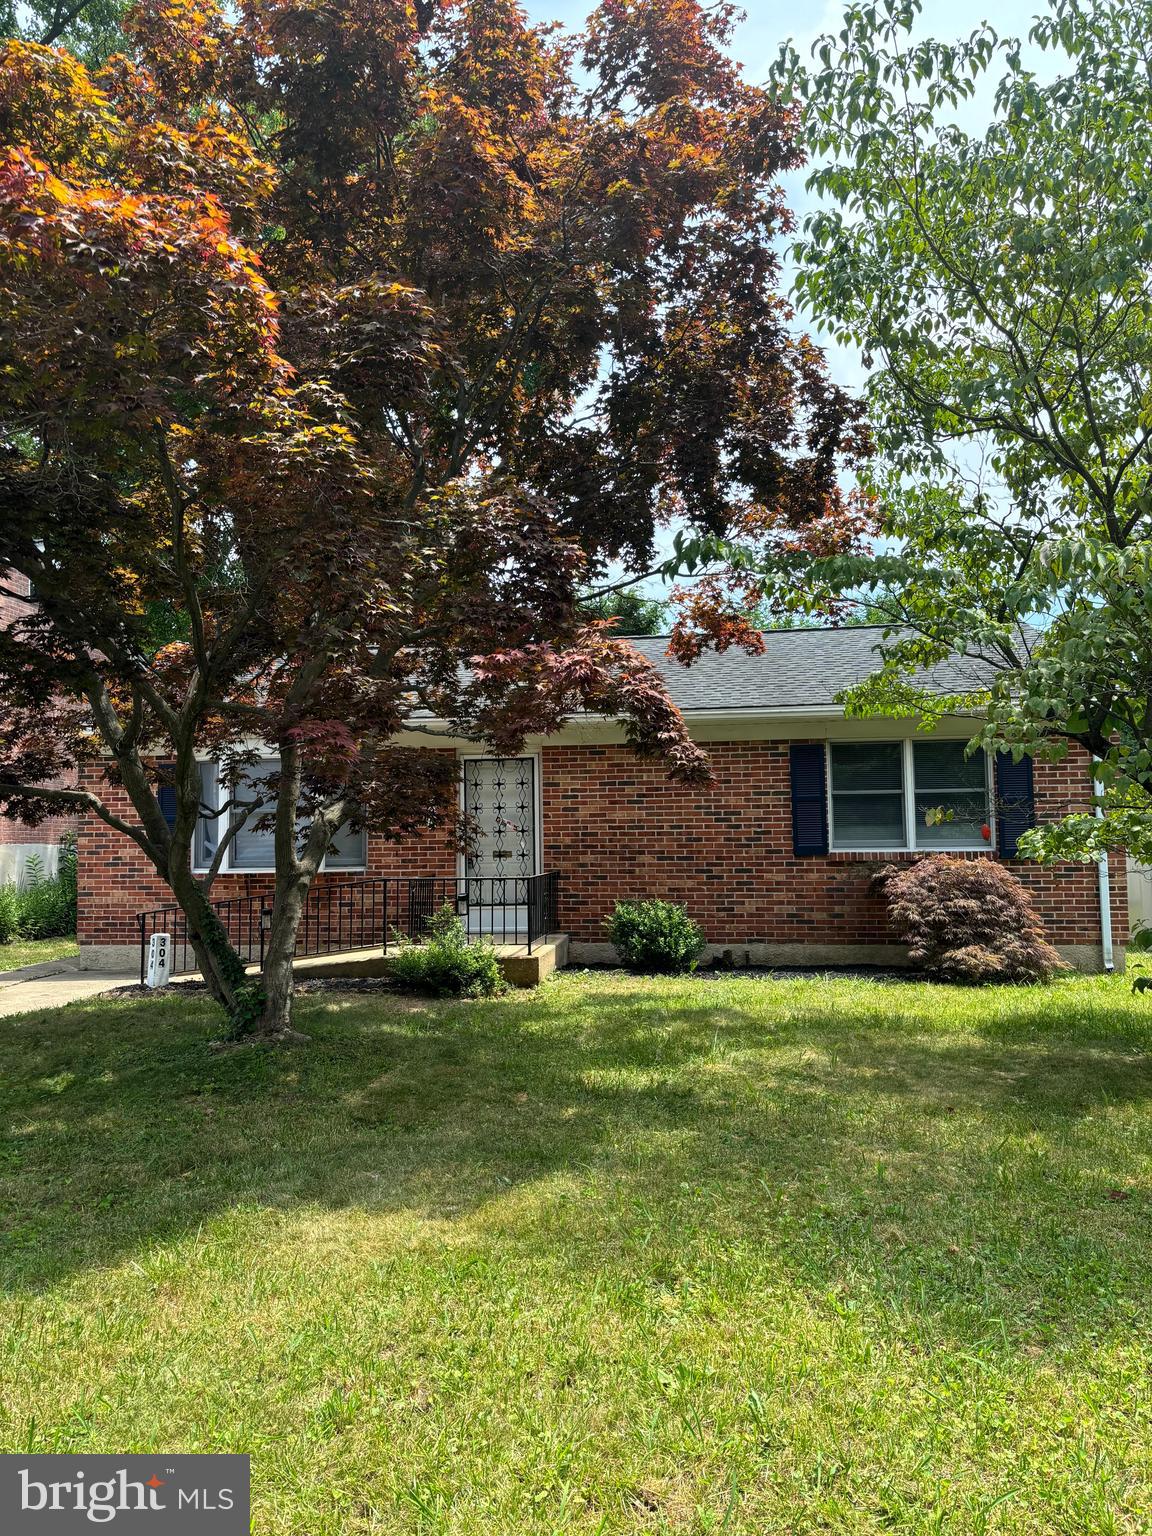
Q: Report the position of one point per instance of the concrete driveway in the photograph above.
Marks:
(53, 983)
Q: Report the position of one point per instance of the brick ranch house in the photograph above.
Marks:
(774, 859)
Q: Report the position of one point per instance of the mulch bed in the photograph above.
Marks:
(711, 973)
(302, 988)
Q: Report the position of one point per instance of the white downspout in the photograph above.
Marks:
(1105, 884)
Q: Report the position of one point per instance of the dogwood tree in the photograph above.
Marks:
(338, 352)
(999, 285)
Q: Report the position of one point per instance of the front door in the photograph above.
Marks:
(500, 802)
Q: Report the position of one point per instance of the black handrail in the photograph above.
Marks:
(366, 914)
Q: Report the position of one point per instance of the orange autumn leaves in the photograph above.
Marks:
(120, 274)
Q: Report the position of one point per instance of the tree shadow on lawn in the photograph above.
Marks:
(851, 1143)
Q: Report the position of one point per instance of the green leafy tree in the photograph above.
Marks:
(90, 29)
(999, 285)
(858, 613)
(634, 614)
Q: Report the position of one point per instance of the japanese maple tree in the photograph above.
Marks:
(339, 351)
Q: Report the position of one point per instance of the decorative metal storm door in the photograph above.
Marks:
(500, 800)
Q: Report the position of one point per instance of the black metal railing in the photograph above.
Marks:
(369, 914)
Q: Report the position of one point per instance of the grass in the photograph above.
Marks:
(682, 1256)
(30, 951)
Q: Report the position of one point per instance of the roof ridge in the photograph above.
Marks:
(807, 629)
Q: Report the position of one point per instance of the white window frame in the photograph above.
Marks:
(227, 867)
(908, 791)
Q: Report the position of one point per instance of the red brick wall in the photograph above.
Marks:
(11, 608)
(54, 827)
(50, 830)
(116, 880)
(615, 827)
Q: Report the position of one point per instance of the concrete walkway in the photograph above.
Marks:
(52, 983)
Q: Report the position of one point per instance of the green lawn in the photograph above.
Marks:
(31, 951)
(620, 1256)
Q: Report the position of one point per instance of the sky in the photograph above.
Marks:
(757, 41)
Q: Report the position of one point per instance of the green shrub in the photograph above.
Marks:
(448, 964)
(967, 920)
(655, 936)
(9, 914)
(1139, 958)
(45, 906)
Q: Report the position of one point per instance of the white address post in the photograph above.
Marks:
(159, 959)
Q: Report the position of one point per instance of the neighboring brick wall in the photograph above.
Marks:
(116, 880)
(615, 827)
(53, 828)
(11, 608)
(48, 831)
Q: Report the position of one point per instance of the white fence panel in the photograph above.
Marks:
(1139, 894)
(14, 861)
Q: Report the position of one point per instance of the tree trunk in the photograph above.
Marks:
(275, 1022)
(221, 966)
(258, 1008)
(296, 868)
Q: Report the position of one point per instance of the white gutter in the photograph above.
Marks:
(719, 714)
(1105, 885)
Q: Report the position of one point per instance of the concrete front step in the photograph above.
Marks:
(520, 968)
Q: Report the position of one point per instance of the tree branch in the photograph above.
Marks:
(83, 799)
(62, 21)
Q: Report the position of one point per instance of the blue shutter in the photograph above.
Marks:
(1015, 802)
(809, 800)
(166, 799)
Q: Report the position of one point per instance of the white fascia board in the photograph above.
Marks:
(716, 725)
(704, 725)
(815, 712)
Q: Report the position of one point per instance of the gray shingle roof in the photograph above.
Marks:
(800, 669)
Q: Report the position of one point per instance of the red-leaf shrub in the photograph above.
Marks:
(967, 920)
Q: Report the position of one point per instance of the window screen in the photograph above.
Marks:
(253, 846)
(347, 850)
(949, 782)
(867, 795)
(206, 833)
